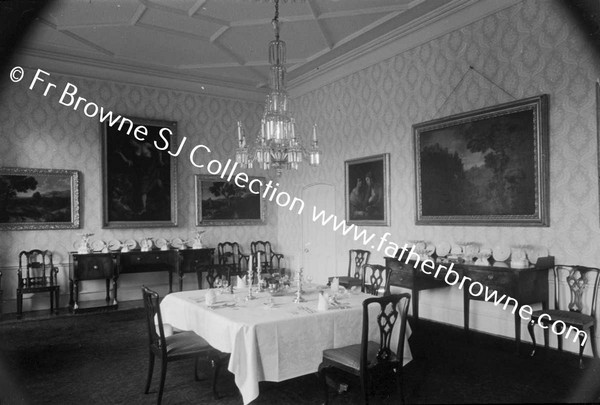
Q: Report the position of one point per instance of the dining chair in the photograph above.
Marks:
(270, 260)
(1, 293)
(178, 346)
(368, 358)
(214, 272)
(231, 253)
(580, 312)
(356, 259)
(375, 279)
(37, 274)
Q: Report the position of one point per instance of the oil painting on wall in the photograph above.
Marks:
(486, 167)
(38, 199)
(139, 178)
(219, 202)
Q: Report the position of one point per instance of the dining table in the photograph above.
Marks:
(270, 336)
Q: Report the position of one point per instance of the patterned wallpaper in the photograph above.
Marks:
(39, 132)
(526, 50)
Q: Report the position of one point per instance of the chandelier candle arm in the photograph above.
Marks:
(276, 144)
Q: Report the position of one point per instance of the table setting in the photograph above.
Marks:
(272, 336)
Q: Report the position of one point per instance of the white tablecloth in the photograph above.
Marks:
(269, 343)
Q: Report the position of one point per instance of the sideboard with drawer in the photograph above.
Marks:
(94, 266)
(527, 285)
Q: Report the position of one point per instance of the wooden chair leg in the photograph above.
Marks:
(532, 335)
(216, 364)
(364, 388)
(593, 341)
(51, 302)
(581, 347)
(150, 371)
(57, 301)
(19, 304)
(163, 375)
(399, 384)
(323, 378)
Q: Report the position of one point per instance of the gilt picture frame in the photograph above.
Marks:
(139, 176)
(33, 199)
(487, 167)
(367, 190)
(219, 202)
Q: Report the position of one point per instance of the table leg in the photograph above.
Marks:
(107, 299)
(115, 290)
(71, 302)
(415, 308)
(171, 281)
(517, 329)
(76, 294)
(466, 309)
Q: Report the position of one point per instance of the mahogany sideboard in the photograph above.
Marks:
(527, 285)
(109, 266)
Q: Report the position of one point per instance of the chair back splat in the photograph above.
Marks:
(578, 310)
(231, 253)
(376, 279)
(357, 259)
(371, 360)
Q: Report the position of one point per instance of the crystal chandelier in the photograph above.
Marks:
(276, 146)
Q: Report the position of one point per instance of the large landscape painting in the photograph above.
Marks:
(38, 199)
(224, 203)
(484, 167)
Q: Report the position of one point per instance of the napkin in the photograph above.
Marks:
(323, 304)
(335, 285)
(241, 282)
(211, 297)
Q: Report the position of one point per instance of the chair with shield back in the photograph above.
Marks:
(579, 308)
(375, 279)
(37, 274)
(356, 259)
(178, 346)
(231, 253)
(270, 261)
(373, 361)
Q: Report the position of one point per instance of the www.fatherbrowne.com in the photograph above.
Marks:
(451, 277)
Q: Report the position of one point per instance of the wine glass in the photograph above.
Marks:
(218, 284)
(309, 278)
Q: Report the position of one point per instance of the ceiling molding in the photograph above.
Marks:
(129, 74)
(455, 15)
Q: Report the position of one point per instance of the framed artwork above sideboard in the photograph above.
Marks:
(484, 167)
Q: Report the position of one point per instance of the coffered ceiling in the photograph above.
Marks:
(220, 46)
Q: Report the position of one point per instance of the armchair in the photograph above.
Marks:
(37, 273)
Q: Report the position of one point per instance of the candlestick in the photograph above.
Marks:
(299, 284)
(239, 129)
(314, 136)
(249, 296)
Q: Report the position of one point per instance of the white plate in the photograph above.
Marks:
(456, 249)
(131, 244)
(177, 243)
(442, 249)
(501, 253)
(98, 245)
(114, 244)
(161, 242)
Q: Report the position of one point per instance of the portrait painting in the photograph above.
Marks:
(38, 199)
(219, 202)
(485, 167)
(139, 176)
(367, 190)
